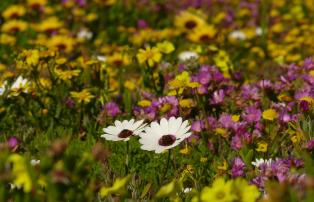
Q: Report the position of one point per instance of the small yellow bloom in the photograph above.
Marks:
(149, 55)
(185, 150)
(221, 131)
(223, 166)
(14, 26)
(67, 74)
(144, 103)
(186, 103)
(235, 118)
(118, 187)
(270, 114)
(14, 11)
(130, 85)
(262, 146)
(20, 172)
(165, 47)
(203, 159)
(82, 96)
(32, 57)
(220, 191)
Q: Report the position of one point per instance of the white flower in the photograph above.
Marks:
(35, 162)
(237, 35)
(123, 130)
(2, 88)
(187, 55)
(101, 58)
(20, 85)
(84, 34)
(169, 133)
(258, 162)
(259, 31)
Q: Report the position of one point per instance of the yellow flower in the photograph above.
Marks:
(20, 172)
(14, 11)
(118, 59)
(118, 187)
(185, 150)
(181, 80)
(186, 21)
(149, 55)
(220, 191)
(14, 26)
(165, 47)
(262, 146)
(36, 4)
(203, 35)
(130, 85)
(235, 118)
(106, 2)
(244, 191)
(270, 114)
(186, 103)
(223, 61)
(7, 39)
(82, 96)
(32, 57)
(144, 103)
(61, 42)
(221, 131)
(223, 166)
(50, 24)
(67, 74)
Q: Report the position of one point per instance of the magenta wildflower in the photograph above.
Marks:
(238, 167)
(252, 114)
(112, 109)
(13, 142)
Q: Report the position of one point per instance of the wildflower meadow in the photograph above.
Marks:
(157, 100)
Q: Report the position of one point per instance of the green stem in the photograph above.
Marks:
(127, 158)
(167, 165)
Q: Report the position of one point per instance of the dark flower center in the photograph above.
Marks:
(190, 24)
(220, 195)
(204, 38)
(167, 140)
(125, 133)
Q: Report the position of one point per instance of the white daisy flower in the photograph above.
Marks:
(187, 55)
(84, 34)
(2, 88)
(123, 130)
(35, 162)
(20, 85)
(161, 136)
(101, 58)
(258, 162)
(237, 35)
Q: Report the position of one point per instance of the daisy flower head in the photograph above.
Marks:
(165, 135)
(258, 162)
(123, 130)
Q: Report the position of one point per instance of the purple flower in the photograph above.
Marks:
(236, 142)
(259, 181)
(217, 97)
(69, 102)
(238, 166)
(167, 105)
(252, 114)
(112, 109)
(226, 120)
(197, 126)
(12, 142)
(142, 24)
(304, 106)
(310, 145)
